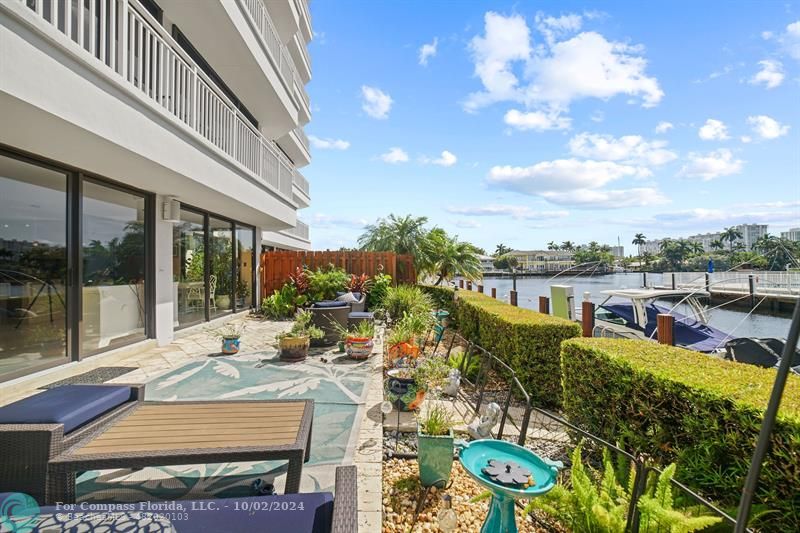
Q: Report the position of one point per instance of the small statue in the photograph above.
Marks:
(481, 428)
(453, 382)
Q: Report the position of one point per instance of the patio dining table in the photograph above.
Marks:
(191, 432)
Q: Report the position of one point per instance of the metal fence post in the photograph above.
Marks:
(639, 486)
(751, 284)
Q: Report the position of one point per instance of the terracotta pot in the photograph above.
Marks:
(359, 348)
(404, 393)
(402, 350)
(294, 349)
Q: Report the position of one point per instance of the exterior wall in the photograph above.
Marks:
(792, 235)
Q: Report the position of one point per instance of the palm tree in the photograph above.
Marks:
(731, 235)
(696, 248)
(511, 263)
(447, 257)
(401, 235)
(717, 244)
(501, 250)
(568, 246)
(552, 245)
(639, 240)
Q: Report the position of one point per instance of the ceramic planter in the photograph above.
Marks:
(230, 345)
(403, 393)
(223, 301)
(294, 349)
(359, 348)
(435, 458)
(402, 351)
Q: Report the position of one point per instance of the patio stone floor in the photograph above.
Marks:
(198, 343)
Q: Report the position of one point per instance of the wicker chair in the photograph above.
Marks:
(325, 315)
(28, 448)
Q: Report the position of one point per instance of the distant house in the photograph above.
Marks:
(544, 260)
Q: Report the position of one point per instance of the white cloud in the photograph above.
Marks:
(447, 159)
(328, 144)
(698, 219)
(767, 127)
(467, 224)
(506, 39)
(561, 175)
(746, 139)
(664, 127)
(552, 76)
(711, 165)
(597, 116)
(321, 220)
(771, 74)
(790, 40)
(514, 211)
(395, 155)
(427, 51)
(629, 149)
(375, 102)
(713, 130)
(608, 199)
(536, 120)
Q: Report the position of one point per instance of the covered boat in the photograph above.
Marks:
(633, 312)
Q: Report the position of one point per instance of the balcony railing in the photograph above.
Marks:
(280, 54)
(125, 37)
(303, 137)
(301, 182)
(300, 231)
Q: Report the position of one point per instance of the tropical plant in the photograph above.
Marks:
(717, 244)
(300, 280)
(501, 250)
(447, 257)
(406, 300)
(569, 246)
(363, 329)
(360, 283)
(401, 235)
(472, 366)
(506, 262)
(417, 324)
(380, 286)
(281, 303)
(431, 372)
(731, 235)
(302, 327)
(552, 245)
(437, 421)
(598, 503)
(230, 331)
(325, 284)
(778, 252)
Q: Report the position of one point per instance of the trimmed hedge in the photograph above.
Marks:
(699, 411)
(527, 341)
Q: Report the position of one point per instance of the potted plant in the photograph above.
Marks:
(435, 446)
(230, 335)
(405, 387)
(400, 346)
(358, 343)
(294, 343)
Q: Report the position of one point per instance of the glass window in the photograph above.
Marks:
(113, 240)
(188, 268)
(33, 267)
(220, 279)
(245, 263)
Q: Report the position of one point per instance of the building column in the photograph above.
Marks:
(166, 290)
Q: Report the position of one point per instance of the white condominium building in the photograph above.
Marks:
(148, 149)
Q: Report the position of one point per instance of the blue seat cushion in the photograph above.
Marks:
(328, 303)
(70, 405)
(361, 314)
(288, 513)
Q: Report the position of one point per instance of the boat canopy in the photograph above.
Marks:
(640, 297)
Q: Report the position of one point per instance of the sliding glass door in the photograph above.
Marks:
(245, 263)
(33, 267)
(221, 286)
(114, 280)
(189, 269)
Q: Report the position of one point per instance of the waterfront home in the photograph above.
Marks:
(148, 150)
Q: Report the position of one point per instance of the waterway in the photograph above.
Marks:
(730, 320)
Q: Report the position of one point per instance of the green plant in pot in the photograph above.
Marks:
(326, 284)
(294, 343)
(406, 387)
(230, 335)
(358, 343)
(435, 446)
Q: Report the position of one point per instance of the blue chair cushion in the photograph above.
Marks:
(358, 296)
(361, 314)
(296, 513)
(71, 405)
(328, 303)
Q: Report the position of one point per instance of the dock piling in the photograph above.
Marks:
(494, 292)
(512, 295)
(461, 284)
(666, 328)
(480, 288)
(544, 305)
(751, 284)
(587, 318)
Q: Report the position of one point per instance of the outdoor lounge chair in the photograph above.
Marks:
(315, 512)
(326, 314)
(40, 427)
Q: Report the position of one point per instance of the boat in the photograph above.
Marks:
(632, 313)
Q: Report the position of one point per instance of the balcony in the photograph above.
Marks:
(301, 190)
(295, 144)
(296, 238)
(300, 231)
(280, 55)
(132, 47)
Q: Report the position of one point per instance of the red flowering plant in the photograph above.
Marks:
(300, 282)
(361, 283)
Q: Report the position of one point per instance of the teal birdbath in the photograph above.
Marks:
(504, 468)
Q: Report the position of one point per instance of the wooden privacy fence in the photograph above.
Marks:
(276, 267)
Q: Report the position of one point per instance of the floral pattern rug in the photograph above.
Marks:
(337, 385)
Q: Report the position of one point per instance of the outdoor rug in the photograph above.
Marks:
(338, 388)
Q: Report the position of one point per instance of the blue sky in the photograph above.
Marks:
(525, 122)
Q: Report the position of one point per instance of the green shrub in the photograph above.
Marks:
(442, 297)
(406, 300)
(324, 284)
(473, 367)
(281, 304)
(380, 285)
(701, 412)
(527, 341)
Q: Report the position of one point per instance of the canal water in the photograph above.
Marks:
(728, 319)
